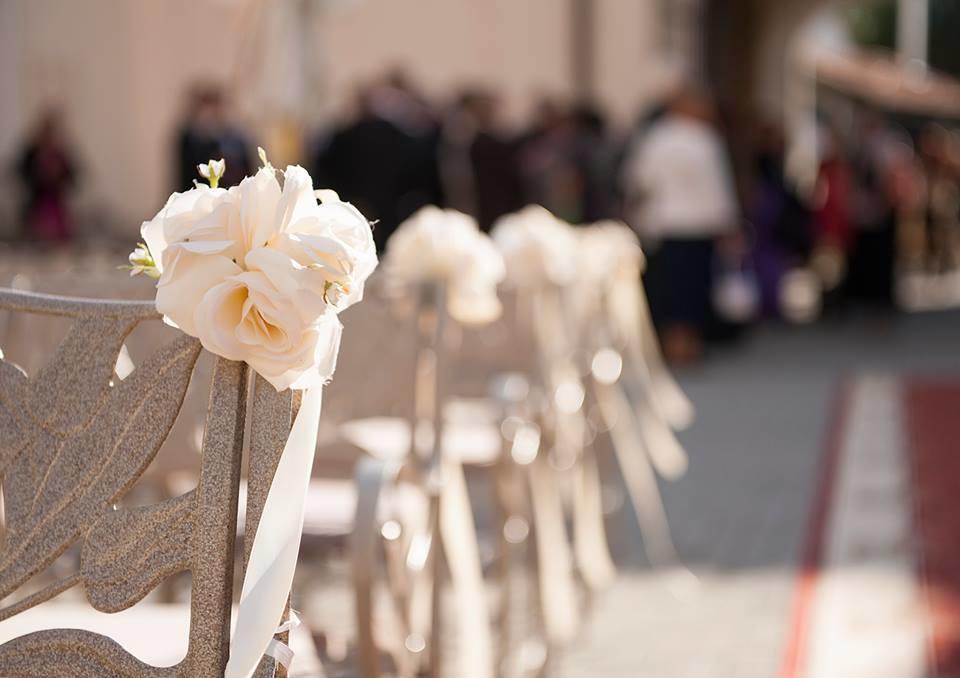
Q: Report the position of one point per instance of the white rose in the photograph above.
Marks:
(446, 245)
(247, 317)
(259, 272)
(178, 219)
(332, 237)
(538, 247)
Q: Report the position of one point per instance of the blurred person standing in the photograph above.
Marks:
(47, 170)
(384, 159)
(942, 203)
(596, 157)
(206, 133)
(782, 230)
(833, 221)
(551, 174)
(680, 198)
(873, 210)
(479, 162)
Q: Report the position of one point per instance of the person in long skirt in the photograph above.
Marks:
(680, 198)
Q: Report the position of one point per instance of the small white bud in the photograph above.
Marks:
(141, 261)
(212, 171)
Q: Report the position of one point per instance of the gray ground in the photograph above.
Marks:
(739, 516)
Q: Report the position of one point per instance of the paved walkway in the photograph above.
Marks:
(740, 516)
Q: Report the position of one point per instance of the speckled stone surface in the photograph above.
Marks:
(270, 424)
(74, 440)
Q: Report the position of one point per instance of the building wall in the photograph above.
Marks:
(119, 69)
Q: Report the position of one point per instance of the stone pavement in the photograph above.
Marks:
(740, 516)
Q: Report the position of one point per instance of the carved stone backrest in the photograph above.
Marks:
(74, 439)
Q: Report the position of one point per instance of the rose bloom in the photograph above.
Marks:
(259, 272)
(445, 245)
(538, 247)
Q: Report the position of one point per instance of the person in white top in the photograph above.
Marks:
(680, 198)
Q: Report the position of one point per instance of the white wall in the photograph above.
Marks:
(119, 68)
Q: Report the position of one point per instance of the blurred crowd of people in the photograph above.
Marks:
(398, 152)
(886, 206)
(723, 247)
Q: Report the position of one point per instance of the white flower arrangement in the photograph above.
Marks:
(445, 245)
(259, 271)
(538, 247)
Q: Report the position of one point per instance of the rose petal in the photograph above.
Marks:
(182, 286)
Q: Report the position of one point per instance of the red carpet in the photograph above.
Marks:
(933, 430)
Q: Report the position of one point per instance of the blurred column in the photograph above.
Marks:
(913, 18)
(275, 75)
(683, 21)
(582, 22)
(10, 106)
(10, 95)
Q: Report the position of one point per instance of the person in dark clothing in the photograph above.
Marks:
(552, 168)
(870, 276)
(47, 170)
(680, 198)
(384, 161)
(782, 223)
(596, 158)
(205, 134)
(479, 162)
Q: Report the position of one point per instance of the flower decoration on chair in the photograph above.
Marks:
(613, 264)
(445, 245)
(538, 247)
(258, 273)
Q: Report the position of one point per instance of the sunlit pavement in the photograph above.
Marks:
(811, 448)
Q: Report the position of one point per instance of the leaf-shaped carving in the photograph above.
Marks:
(24, 474)
(13, 384)
(128, 552)
(59, 401)
(84, 473)
(68, 392)
(74, 653)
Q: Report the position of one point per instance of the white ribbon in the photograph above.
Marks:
(273, 558)
(475, 658)
(631, 313)
(279, 650)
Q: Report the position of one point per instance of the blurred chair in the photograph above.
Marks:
(420, 555)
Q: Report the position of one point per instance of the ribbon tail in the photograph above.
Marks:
(638, 475)
(670, 399)
(558, 596)
(273, 558)
(666, 452)
(631, 316)
(590, 534)
(463, 561)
